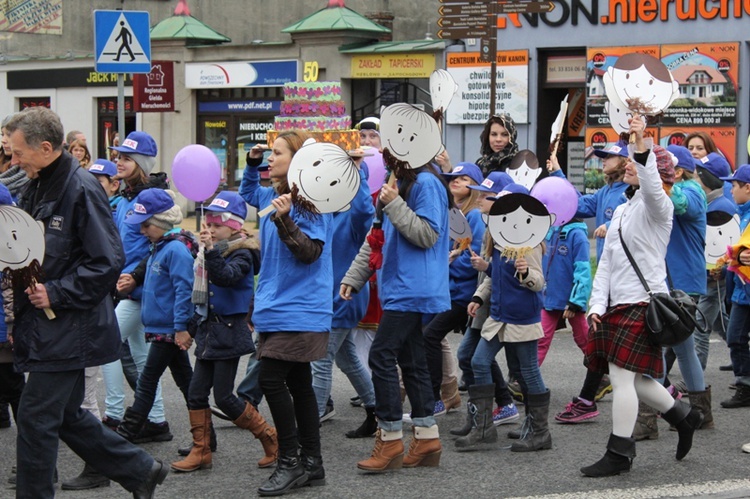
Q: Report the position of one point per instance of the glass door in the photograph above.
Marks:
(214, 133)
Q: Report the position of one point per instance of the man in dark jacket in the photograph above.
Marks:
(82, 261)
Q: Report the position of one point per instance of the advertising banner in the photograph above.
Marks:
(41, 17)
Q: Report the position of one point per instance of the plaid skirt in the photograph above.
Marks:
(622, 339)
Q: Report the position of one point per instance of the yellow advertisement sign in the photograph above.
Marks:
(393, 65)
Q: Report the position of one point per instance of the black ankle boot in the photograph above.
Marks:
(289, 473)
(131, 425)
(367, 428)
(316, 474)
(618, 458)
(686, 419)
(185, 451)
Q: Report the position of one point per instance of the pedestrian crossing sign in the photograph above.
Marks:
(122, 41)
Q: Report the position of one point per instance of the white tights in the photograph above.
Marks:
(629, 387)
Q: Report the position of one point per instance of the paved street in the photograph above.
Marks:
(715, 467)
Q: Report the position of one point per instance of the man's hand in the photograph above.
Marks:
(38, 296)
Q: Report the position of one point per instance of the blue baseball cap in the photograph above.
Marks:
(495, 182)
(685, 160)
(741, 174)
(510, 189)
(137, 143)
(103, 167)
(229, 202)
(149, 202)
(5, 197)
(469, 169)
(620, 148)
(716, 164)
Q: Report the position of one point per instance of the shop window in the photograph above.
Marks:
(27, 102)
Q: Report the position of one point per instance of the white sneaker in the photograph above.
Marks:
(746, 448)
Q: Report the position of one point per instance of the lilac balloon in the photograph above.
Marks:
(196, 172)
(559, 196)
(376, 169)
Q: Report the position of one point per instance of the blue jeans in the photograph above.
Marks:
(522, 359)
(249, 388)
(690, 366)
(50, 411)
(399, 341)
(466, 352)
(219, 375)
(737, 340)
(714, 310)
(160, 356)
(341, 348)
(128, 314)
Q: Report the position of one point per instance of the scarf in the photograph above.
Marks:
(14, 179)
(200, 283)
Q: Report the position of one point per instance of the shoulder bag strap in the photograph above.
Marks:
(632, 262)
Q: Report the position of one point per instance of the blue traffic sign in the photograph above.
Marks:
(122, 41)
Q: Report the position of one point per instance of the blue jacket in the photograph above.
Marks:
(349, 231)
(601, 205)
(231, 277)
(83, 259)
(686, 260)
(168, 287)
(740, 295)
(567, 268)
(463, 277)
(415, 279)
(3, 325)
(292, 295)
(512, 302)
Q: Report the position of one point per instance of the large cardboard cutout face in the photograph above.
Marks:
(619, 115)
(722, 230)
(518, 223)
(442, 89)
(459, 226)
(325, 175)
(524, 168)
(410, 135)
(21, 239)
(642, 82)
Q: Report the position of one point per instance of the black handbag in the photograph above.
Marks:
(670, 317)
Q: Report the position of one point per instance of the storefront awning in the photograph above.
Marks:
(389, 47)
(336, 19)
(188, 28)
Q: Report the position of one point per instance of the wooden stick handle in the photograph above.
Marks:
(266, 211)
(392, 180)
(49, 313)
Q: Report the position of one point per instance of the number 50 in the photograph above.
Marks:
(311, 71)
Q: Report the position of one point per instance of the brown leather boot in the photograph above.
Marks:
(450, 395)
(388, 453)
(702, 402)
(253, 421)
(200, 455)
(425, 448)
(645, 425)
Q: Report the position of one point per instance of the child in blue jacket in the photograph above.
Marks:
(222, 292)
(166, 306)
(567, 273)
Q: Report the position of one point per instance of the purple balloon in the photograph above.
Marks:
(196, 172)
(376, 169)
(559, 196)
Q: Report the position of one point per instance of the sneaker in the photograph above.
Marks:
(577, 412)
(111, 423)
(746, 448)
(605, 387)
(681, 387)
(439, 409)
(355, 401)
(515, 391)
(505, 415)
(329, 414)
(154, 432)
(674, 392)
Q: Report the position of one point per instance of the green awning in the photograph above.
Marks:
(188, 28)
(389, 47)
(336, 19)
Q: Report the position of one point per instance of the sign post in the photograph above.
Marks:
(478, 19)
(122, 44)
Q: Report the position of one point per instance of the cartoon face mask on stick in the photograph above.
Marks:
(410, 135)
(442, 89)
(722, 230)
(325, 175)
(642, 82)
(524, 168)
(518, 223)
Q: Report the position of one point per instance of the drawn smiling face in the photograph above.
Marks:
(518, 222)
(618, 116)
(654, 94)
(21, 239)
(525, 175)
(442, 89)
(459, 226)
(325, 175)
(722, 230)
(411, 135)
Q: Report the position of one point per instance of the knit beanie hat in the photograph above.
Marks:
(167, 219)
(146, 163)
(665, 163)
(225, 218)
